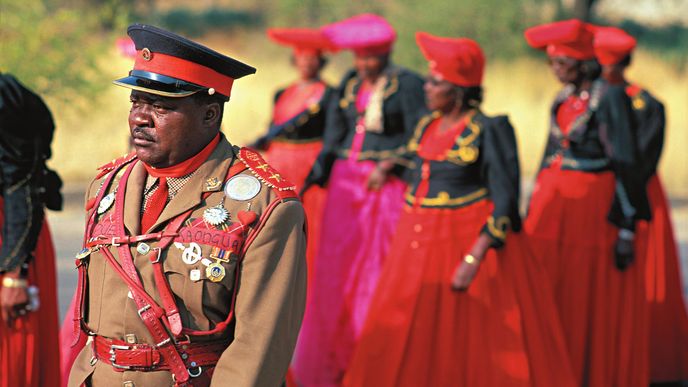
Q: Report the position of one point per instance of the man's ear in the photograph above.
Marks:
(212, 115)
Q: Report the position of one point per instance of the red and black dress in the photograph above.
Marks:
(668, 320)
(504, 330)
(589, 186)
(293, 143)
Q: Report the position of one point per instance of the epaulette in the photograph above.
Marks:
(635, 92)
(267, 174)
(112, 165)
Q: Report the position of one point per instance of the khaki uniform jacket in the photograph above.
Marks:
(271, 287)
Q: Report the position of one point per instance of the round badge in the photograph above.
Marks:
(85, 252)
(215, 216)
(106, 203)
(146, 54)
(242, 187)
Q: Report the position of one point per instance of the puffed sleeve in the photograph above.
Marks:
(618, 134)
(270, 303)
(651, 123)
(412, 102)
(500, 170)
(335, 131)
(26, 128)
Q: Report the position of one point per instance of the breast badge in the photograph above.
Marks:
(242, 187)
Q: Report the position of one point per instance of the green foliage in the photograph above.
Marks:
(52, 50)
(192, 23)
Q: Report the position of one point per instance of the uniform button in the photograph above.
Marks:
(360, 128)
(414, 244)
(128, 383)
(417, 228)
(130, 338)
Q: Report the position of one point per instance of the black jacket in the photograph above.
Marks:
(308, 125)
(603, 138)
(403, 105)
(650, 119)
(26, 131)
(482, 163)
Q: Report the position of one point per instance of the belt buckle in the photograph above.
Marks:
(113, 356)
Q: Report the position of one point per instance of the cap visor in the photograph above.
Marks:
(157, 88)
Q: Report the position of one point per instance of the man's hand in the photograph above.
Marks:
(14, 297)
(624, 253)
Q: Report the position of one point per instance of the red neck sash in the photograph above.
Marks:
(187, 166)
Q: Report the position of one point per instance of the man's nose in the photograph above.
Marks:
(141, 115)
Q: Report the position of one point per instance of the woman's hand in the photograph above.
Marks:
(378, 176)
(469, 265)
(624, 253)
(14, 297)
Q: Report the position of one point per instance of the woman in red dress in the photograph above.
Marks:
(664, 290)
(586, 202)
(294, 138)
(460, 302)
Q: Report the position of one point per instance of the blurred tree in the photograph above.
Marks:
(582, 9)
(54, 48)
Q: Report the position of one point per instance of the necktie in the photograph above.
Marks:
(155, 205)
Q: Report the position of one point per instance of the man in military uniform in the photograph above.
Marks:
(193, 268)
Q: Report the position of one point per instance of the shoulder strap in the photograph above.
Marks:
(267, 174)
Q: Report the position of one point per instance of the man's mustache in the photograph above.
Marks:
(139, 132)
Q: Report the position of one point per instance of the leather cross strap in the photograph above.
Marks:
(124, 356)
(150, 313)
(78, 324)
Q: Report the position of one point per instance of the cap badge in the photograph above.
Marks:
(212, 183)
(242, 187)
(146, 54)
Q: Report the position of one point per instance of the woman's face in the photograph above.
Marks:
(566, 69)
(308, 65)
(370, 66)
(439, 94)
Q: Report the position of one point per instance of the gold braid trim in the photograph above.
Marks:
(444, 200)
(498, 227)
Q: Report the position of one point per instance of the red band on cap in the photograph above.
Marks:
(185, 70)
(378, 49)
(580, 52)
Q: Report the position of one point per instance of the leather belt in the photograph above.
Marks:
(123, 356)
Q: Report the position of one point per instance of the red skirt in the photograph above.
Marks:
(29, 352)
(668, 320)
(294, 161)
(602, 310)
(504, 331)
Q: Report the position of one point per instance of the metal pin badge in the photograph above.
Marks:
(143, 248)
(106, 202)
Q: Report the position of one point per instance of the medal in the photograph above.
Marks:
(468, 154)
(192, 254)
(106, 203)
(215, 271)
(215, 216)
(242, 187)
